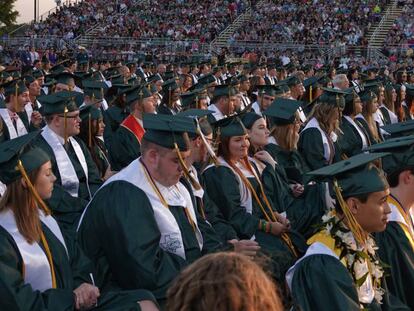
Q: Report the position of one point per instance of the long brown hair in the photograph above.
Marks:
(324, 112)
(388, 102)
(221, 282)
(22, 203)
(286, 136)
(368, 113)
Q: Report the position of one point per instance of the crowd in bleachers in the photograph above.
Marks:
(311, 22)
(402, 31)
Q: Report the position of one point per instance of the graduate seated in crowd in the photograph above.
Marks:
(126, 141)
(15, 121)
(246, 286)
(39, 269)
(72, 164)
(235, 185)
(141, 227)
(396, 243)
(91, 132)
(341, 269)
(316, 141)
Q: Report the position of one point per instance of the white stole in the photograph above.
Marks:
(29, 109)
(313, 123)
(36, 265)
(21, 129)
(70, 181)
(171, 239)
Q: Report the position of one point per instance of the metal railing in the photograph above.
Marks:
(383, 20)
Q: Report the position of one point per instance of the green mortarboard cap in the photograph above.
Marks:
(29, 79)
(372, 86)
(59, 68)
(90, 110)
(249, 118)
(314, 81)
(409, 89)
(37, 74)
(55, 104)
(117, 79)
(94, 88)
(401, 151)
(233, 81)
(189, 99)
(354, 176)
(137, 92)
(168, 75)
(64, 77)
(400, 129)
(333, 97)
(207, 79)
(292, 81)
(283, 111)
(20, 148)
(224, 90)
(230, 126)
(166, 130)
(169, 85)
(268, 90)
(12, 86)
(154, 78)
(367, 95)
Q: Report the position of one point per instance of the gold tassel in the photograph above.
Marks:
(90, 131)
(356, 229)
(187, 174)
(210, 150)
(65, 124)
(32, 189)
(16, 102)
(197, 105)
(310, 94)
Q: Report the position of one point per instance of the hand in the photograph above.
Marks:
(283, 220)
(36, 118)
(264, 156)
(245, 247)
(86, 296)
(297, 189)
(278, 228)
(147, 305)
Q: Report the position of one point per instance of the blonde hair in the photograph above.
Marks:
(286, 136)
(222, 282)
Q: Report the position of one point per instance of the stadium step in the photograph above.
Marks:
(222, 40)
(378, 33)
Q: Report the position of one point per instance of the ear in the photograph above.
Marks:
(353, 205)
(23, 182)
(405, 177)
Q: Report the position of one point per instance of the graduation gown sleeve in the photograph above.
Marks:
(322, 283)
(17, 296)
(223, 188)
(120, 235)
(124, 149)
(310, 146)
(397, 253)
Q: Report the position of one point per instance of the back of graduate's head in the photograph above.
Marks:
(222, 282)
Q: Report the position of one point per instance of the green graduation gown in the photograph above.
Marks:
(119, 232)
(396, 251)
(222, 185)
(364, 124)
(350, 140)
(4, 131)
(125, 146)
(319, 281)
(316, 147)
(71, 270)
(66, 208)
